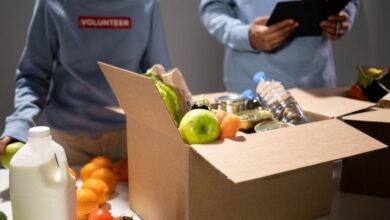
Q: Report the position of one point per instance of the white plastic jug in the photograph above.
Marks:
(41, 187)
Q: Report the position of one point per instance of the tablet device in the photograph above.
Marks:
(308, 14)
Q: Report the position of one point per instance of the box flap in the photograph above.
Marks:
(146, 105)
(330, 106)
(278, 151)
(386, 97)
(375, 115)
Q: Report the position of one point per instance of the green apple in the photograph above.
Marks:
(10, 150)
(199, 126)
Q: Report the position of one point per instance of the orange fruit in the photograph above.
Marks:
(99, 187)
(102, 161)
(229, 126)
(220, 114)
(107, 176)
(87, 203)
(87, 169)
(120, 170)
(72, 172)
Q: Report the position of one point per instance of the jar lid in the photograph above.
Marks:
(229, 99)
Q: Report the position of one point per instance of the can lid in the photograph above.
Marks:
(39, 132)
(228, 99)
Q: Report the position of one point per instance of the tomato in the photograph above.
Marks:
(100, 214)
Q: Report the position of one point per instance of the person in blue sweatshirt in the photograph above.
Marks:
(251, 46)
(58, 71)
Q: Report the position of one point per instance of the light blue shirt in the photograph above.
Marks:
(58, 69)
(305, 62)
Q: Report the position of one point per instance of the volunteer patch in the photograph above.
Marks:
(104, 22)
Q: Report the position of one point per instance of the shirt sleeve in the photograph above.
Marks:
(351, 9)
(219, 18)
(156, 51)
(33, 75)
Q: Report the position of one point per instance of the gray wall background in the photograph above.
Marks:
(196, 53)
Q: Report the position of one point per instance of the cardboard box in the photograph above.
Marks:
(280, 174)
(369, 173)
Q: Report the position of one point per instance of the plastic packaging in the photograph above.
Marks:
(41, 187)
(275, 98)
(251, 100)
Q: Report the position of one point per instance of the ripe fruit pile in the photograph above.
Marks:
(200, 126)
(99, 179)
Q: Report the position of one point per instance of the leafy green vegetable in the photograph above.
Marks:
(168, 95)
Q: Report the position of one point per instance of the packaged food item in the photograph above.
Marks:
(250, 118)
(271, 125)
(230, 103)
(41, 188)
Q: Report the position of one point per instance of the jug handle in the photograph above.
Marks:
(63, 168)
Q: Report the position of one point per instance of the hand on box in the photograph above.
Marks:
(266, 38)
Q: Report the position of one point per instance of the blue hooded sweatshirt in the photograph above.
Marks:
(58, 69)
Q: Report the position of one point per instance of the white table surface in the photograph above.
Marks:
(117, 204)
(345, 206)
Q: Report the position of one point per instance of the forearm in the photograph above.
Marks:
(33, 75)
(352, 9)
(219, 18)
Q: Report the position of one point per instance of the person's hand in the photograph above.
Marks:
(3, 143)
(266, 38)
(336, 26)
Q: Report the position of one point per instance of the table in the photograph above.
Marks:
(117, 204)
(345, 206)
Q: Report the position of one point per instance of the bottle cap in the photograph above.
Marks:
(248, 94)
(260, 76)
(39, 132)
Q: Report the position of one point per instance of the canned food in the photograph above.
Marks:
(230, 103)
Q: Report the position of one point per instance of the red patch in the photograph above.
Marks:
(104, 22)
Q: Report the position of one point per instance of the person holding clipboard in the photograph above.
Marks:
(290, 41)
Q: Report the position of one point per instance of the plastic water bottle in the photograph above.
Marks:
(41, 187)
(275, 98)
(251, 100)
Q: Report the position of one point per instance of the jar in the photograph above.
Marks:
(230, 103)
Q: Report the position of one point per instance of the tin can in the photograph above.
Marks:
(230, 103)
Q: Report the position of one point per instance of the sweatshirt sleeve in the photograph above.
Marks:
(156, 51)
(219, 18)
(351, 9)
(33, 75)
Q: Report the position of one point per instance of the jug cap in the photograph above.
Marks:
(39, 132)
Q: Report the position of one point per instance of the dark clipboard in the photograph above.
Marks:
(308, 13)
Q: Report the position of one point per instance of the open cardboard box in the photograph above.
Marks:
(368, 173)
(280, 174)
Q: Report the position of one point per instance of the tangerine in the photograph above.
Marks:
(107, 176)
(87, 203)
(87, 169)
(102, 161)
(99, 187)
(120, 170)
(220, 114)
(72, 172)
(229, 126)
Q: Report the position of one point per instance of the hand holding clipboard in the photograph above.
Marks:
(308, 13)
